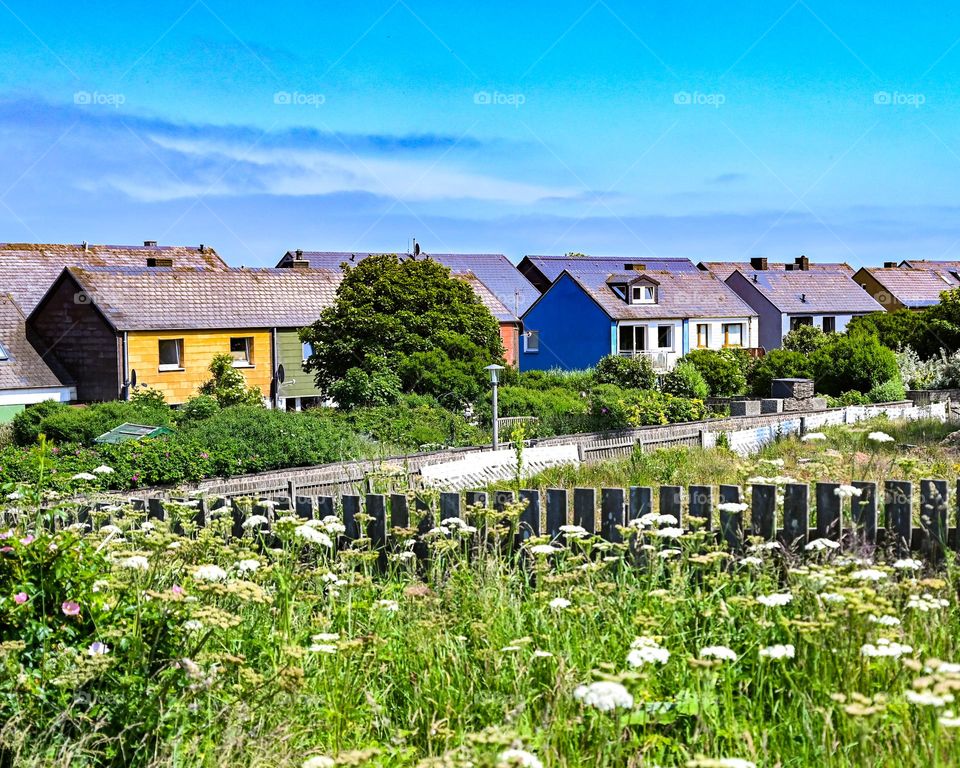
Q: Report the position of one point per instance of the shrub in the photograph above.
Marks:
(778, 364)
(228, 385)
(559, 411)
(26, 424)
(578, 381)
(850, 397)
(888, 392)
(916, 373)
(627, 372)
(360, 388)
(70, 424)
(685, 380)
(198, 408)
(805, 338)
(148, 396)
(725, 371)
(615, 408)
(947, 369)
(855, 361)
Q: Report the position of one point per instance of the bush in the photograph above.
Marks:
(616, 408)
(855, 361)
(559, 411)
(805, 338)
(851, 397)
(198, 408)
(627, 372)
(778, 364)
(685, 380)
(71, 424)
(725, 371)
(575, 381)
(916, 373)
(889, 391)
(27, 423)
(359, 388)
(947, 371)
(228, 385)
(148, 396)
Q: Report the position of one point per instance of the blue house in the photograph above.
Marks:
(662, 315)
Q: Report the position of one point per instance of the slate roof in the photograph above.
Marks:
(552, 266)
(494, 270)
(723, 269)
(25, 369)
(679, 295)
(912, 287)
(491, 302)
(27, 270)
(814, 292)
(948, 266)
(155, 299)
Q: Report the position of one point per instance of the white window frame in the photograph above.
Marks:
(669, 346)
(531, 342)
(643, 294)
(247, 360)
(823, 323)
(706, 335)
(637, 331)
(178, 366)
(726, 335)
(4, 354)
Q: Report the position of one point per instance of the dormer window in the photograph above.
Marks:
(643, 294)
(620, 289)
(4, 355)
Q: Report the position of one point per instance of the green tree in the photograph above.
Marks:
(805, 338)
(724, 370)
(854, 360)
(685, 381)
(901, 329)
(411, 317)
(627, 372)
(228, 385)
(778, 364)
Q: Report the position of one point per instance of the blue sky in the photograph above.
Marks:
(718, 131)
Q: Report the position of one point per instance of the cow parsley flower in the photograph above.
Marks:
(646, 650)
(949, 720)
(544, 549)
(751, 560)
(246, 566)
(812, 437)
(732, 507)
(103, 469)
(926, 602)
(604, 695)
(669, 533)
(313, 536)
(884, 621)
(391, 606)
(868, 574)
(720, 762)
(323, 648)
(518, 758)
(559, 603)
(86, 476)
(908, 564)
(574, 531)
(847, 491)
(885, 648)
(777, 652)
(929, 698)
(720, 652)
(255, 521)
(775, 600)
(209, 572)
(135, 563)
(320, 761)
(819, 545)
(879, 437)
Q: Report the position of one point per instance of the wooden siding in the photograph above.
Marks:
(298, 382)
(199, 347)
(77, 342)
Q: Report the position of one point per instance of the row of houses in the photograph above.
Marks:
(89, 323)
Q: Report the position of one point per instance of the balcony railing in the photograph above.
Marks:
(659, 359)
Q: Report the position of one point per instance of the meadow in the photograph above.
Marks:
(135, 642)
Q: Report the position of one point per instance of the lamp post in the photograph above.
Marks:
(494, 381)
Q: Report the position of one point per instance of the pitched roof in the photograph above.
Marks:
(912, 287)
(679, 295)
(27, 270)
(723, 269)
(491, 302)
(141, 299)
(494, 270)
(552, 266)
(814, 292)
(949, 266)
(25, 369)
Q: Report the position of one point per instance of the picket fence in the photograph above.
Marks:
(781, 513)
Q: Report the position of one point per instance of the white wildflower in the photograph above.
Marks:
(773, 462)
(868, 574)
(103, 469)
(908, 564)
(669, 533)
(718, 652)
(135, 563)
(255, 521)
(765, 546)
(193, 625)
(84, 476)
(812, 437)
(518, 758)
(544, 549)
(320, 761)
(926, 602)
(832, 597)
(929, 698)
(778, 652)
(542, 654)
(732, 507)
(312, 535)
(392, 606)
(574, 531)
(820, 545)
(246, 566)
(879, 437)
(885, 649)
(325, 637)
(559, 603)
(847, 491)
(604, 695)
(333, 525)
(667, 520)
(209, 572)
(949, 720)
(884, 621)
(720, 762)
(775, 600)
(751, 560)
(323, 648)
(665, 554)
(646, 650)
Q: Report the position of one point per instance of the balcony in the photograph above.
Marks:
(659, 359)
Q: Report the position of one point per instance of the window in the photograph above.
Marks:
(829, 324)
(531, 342)
(643, 294)
(307, 350)
(733, 334)
(665, 336)
(171, 354)
(796, 322)
(4, 355)
(241, 349)
(703, 335)
(632, 339)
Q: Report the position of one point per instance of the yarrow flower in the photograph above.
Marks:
(135, 563)
(926, 602)
(388, 605)
(209, 572)
(732, 506)
(247, 566)
(778, 652)
(544, 549)
(819, 545)
(885, 648)
(255, 521)
(574, 531)
(908, 564)
(646, 650)
(880, 437)
(720, 762)
(559, 603)
(884, 621)
(720, 652)
(811, 437)
(868, 574)
(103, 469)
(775, 600)
(518, 758)
(84, 476)
(669, 533)
(928, 698)
(847, 491)
(312, 535)
(604, 695)
(949, 720)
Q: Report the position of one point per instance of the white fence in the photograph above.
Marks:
(481, 469)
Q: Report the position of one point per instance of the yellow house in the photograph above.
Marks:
(110, 328)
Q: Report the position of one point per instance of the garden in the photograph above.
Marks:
(127, 641)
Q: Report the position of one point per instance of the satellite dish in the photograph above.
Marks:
(133, 377)
(281, 374)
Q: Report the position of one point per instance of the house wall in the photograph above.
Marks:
(663, 358)
(841, 321)
(872, 286)
(298, 383)
(199, 347)
(750, 333)
(574, 332)
(510, 336)
(769, 318)
(74, 335)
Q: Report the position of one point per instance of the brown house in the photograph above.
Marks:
(904, 287)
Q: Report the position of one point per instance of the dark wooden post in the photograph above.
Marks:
(641, 502)
(351, 508)
(763, 512)
(476, 497)
(731, 523)
(611, 514)
(501, 499)
(829, 522)
(796, 515)
(700, 505)
(933, 517)
(155, 508)
(399, 512)
(530, 517)
(202, 516)
(898, 501)
(584, 508)
(556, 510)
(449, 505)
(306, 507)
(671, 503)
(238, 515)
(863, 511)
(377, 526)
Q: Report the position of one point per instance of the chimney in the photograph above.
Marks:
(889, 265)
(803, 263)
(298, 253)
(759, 263)
(300, 264)
(85, 246)
(202, 248)
(803, 298)
(150, 243)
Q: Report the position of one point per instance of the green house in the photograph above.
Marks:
(298, 389)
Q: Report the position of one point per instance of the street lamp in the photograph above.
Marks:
(494, 381)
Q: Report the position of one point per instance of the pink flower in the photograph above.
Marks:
(20, 598)
(28, 539)
(70, 608)
(178, 590)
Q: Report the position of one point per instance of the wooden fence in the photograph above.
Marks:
(793, 514)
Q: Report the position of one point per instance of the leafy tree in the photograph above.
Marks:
(627, 372)
(853, 361)
(410, 317)
(360, 388)
(778, 364)
(805, 338)
(724, 370)
(685, 381)
(901, 329)
(228, 385)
